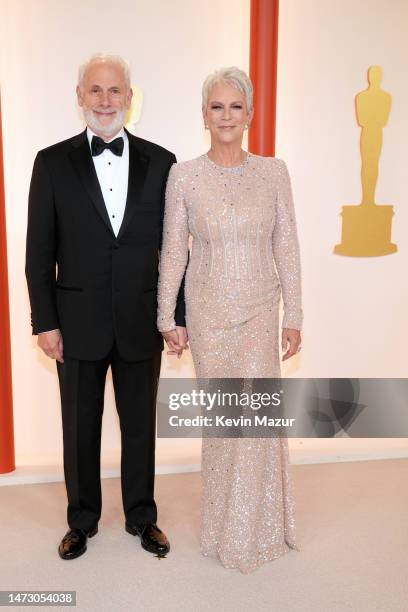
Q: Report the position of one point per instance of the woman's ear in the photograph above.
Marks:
(205, 119)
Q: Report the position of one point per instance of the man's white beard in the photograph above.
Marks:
(106, 130)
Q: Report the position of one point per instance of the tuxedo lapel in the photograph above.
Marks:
(138, 165)
(81, 159)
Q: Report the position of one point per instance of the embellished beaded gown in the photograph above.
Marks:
(244, 255)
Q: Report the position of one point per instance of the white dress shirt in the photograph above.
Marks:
(113, 175)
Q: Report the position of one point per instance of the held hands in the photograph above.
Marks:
(291, 336)
(176, 340)
(51, 343)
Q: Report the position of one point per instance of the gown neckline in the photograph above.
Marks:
(229, 168)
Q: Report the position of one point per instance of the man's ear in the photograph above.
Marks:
(129, 98)
(79, 95)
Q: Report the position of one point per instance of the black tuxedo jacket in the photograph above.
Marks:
(105, 288)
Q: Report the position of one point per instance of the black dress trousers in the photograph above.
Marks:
(82, 387)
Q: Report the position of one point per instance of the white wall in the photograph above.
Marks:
(172, 46)
(355, 309)
(354, 323)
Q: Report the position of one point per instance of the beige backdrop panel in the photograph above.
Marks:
(354, 323)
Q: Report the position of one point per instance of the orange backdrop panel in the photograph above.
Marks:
(6, 405)
(263, 72)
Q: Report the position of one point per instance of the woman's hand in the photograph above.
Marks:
(176, 340)
(291, 336)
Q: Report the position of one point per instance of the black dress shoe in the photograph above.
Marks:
(152, 538)
(73, 544)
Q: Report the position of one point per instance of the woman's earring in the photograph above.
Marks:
(206, 127)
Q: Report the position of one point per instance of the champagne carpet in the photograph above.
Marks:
(352, 531)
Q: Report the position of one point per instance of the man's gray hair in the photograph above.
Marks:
(234, 77)
(104, 58)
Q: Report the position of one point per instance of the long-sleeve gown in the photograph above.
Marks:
(244, 255)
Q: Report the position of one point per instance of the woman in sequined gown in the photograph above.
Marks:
(239, 211)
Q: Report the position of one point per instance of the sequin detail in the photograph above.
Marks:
(244, 256)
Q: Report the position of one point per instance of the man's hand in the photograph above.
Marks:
(291, 336)
(51, 343)
(176, 340)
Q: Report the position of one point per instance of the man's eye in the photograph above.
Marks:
(237, 106)
(215, 107)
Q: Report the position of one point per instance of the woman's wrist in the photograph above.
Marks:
(166, 331)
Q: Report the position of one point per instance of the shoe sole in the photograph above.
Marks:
(81, 552)
(133, 532)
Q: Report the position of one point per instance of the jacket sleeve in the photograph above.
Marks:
(173, 255)
(285, 248)
(41, 250)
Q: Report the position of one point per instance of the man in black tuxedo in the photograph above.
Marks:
(96, 209)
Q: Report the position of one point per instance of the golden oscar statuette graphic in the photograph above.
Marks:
(133, 115)
(366, 227)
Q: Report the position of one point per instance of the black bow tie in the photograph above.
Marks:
(98, 146)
